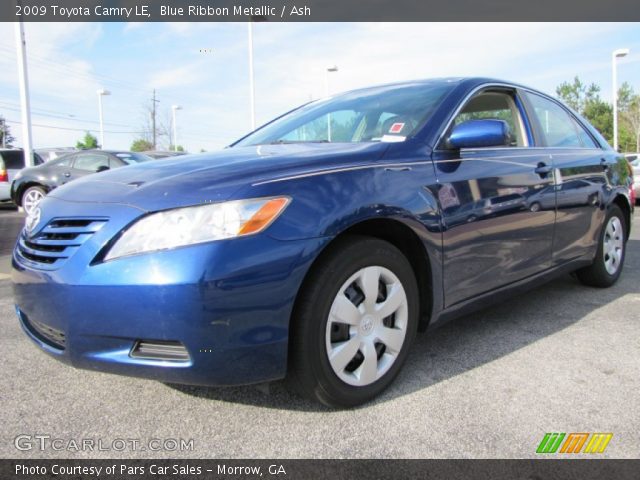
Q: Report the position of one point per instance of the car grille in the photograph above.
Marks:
(49, 335)
(57, 241)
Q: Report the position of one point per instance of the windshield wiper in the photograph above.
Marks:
(288, 142)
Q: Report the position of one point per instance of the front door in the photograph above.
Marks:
(498, 205)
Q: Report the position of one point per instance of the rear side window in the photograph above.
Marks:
(64, 161)
(91, 162)
(13, 160)
(559, 128)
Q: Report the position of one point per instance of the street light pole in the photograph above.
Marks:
(326, 94)
(252, 92)
(174, 108)
(101, 93)
(621, 52)
(25, 103)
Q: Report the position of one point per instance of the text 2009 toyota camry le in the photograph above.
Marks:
(317, 246)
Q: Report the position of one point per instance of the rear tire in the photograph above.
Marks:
(31, 197)
(354, 322)
(607, 266)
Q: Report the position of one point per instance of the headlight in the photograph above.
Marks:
(204, 223)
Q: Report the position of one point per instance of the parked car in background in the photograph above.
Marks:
(634, 161)
(158, 154)
(316, 247)
(32, 184)
(11, 162)
(49, 154)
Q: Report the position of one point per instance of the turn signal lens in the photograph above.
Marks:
(263, 217)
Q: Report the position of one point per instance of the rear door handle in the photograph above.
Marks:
(67, 174)
(543, 169)
(604, 165)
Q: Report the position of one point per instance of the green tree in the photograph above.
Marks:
(141, 145)
(578, 95)
(179, 149)
(585, 99)
(629, 107)
(88, 142)
(6, 139)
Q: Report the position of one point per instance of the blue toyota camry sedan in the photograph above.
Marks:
(316, 247)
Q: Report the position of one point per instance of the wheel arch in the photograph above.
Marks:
(625, 205)
(23, 188)
(403, 237)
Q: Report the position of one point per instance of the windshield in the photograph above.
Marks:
(387, 114)
(130, 157)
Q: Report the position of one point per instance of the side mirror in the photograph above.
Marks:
(480, 133)
(102, 168)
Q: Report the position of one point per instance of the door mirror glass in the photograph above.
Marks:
(102, 168)
(480, 133)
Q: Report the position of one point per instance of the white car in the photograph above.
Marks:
(11, 162)
(634, 160)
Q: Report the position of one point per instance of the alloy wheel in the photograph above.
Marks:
(613, 245)
(31, 200)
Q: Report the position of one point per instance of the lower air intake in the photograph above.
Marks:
(160, 350)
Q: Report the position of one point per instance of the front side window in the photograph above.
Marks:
(558, 126)
(495, 106)
(389, 113)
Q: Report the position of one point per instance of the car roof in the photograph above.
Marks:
(470, 82)
(112, 152)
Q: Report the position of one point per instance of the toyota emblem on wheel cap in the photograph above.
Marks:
(32, 220)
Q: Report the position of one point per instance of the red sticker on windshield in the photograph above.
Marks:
(396, 128)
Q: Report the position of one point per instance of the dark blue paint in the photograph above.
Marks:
(229, 302)
(479, 133)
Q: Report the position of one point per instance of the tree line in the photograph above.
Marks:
(586, 100)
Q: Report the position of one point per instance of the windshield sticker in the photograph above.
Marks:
(392, 138)
(396, 128)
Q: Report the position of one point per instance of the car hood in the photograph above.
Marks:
(212, 177)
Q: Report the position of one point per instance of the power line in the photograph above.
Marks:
(75, 129)
(71, 118)
(47, 63)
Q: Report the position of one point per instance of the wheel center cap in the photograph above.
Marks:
(366, 325)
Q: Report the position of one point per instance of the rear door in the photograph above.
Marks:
(494, 233)
(86, 163)
(581, 167)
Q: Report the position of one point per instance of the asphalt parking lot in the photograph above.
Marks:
(562, 358)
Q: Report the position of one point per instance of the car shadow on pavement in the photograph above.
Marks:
(468, 342)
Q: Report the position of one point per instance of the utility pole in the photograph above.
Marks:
(252, 88)
(24, 93)
(153, 117)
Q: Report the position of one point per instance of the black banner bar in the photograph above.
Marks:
(317, 10)
(551, 469)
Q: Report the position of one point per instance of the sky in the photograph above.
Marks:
(204, 68)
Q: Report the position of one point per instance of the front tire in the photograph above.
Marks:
(607, 266)
(354, 322)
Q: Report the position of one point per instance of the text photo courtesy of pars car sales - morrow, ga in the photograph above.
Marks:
(312, 240)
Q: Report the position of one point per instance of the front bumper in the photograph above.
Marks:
(227, 302)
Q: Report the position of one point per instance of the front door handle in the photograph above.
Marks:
(67, 174)
(543, 169)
